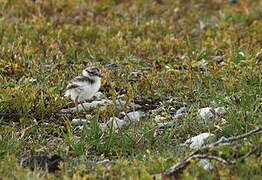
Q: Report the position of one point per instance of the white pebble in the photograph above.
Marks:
(182, 110)
(198, 141)
(206, 164)
(220, 111)
(99, 95)
(179, 116)
(134, 116)
(206, 113)
(241, 54)
(209, 113)
(78, 122)
(115, 123)
(89, 105)
(159, 118)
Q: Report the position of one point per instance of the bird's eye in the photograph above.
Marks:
(90, 72)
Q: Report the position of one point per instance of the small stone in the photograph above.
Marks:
(35, 122)
(121, 96)
(134, 116)
(32, 80)
(111, 65)
(135, 106)
(165, 125)
(179, 116)
(221, 111)
(172, 109)
(206, 113)
(159, 118)
(198, 141)
(134, 74)
(89, 105)
(210, 113)
(80, 127)
(167, 67)
(89, 116)
(241, 54)
(206, 164)
(102, 126)
(99, 95)
(105, 161)
(202, 63)
(182, 110)
(78, 122)
(120, 103)
(157, 110)
(115, 123)
(146, 69)
(222, 63)
(219, 60)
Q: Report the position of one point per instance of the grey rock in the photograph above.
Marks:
(159, 118)
(89, 105)
(198, 141)
(115, 123)
(134, 116)
(206, 164)
(206, 113)
(166, 125)
(179, 116)
(78, 122)
(209, 113)
(182, 110)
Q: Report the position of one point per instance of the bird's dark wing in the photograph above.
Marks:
(83, 79)
(72, 86)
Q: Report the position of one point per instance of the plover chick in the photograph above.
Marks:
(84, 87)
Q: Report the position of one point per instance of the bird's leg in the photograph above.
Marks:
(76, 103)
(83, 106)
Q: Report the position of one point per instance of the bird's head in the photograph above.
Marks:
(92, 72)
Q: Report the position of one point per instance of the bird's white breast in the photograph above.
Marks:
(85, 91)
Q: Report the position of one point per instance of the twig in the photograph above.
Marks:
(183, 163)
(235, 138)
(205, 156)
(253, 151)
(227, 140)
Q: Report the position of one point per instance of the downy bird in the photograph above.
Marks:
(84, 87)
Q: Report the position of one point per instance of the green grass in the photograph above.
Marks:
(43, 44)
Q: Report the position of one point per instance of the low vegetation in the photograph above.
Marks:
(161, 54)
